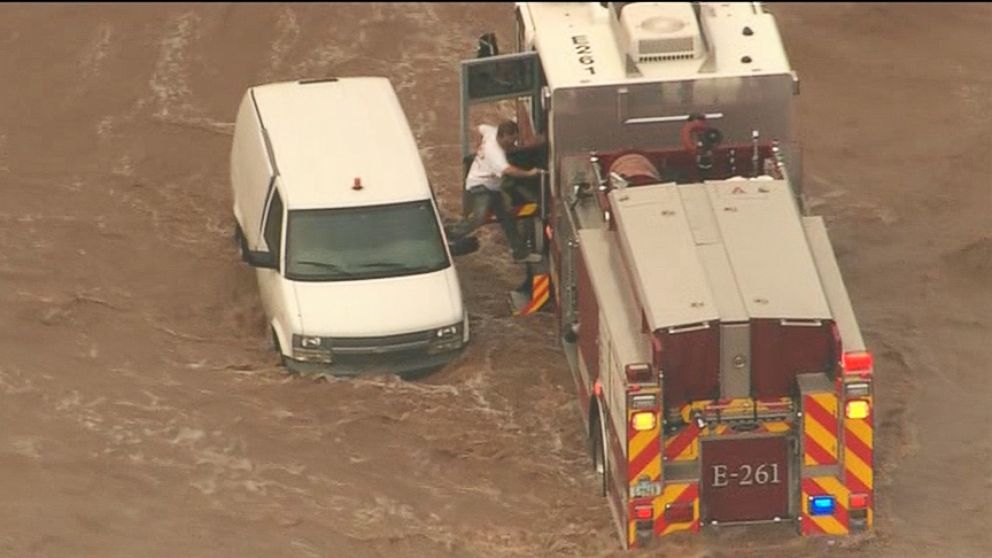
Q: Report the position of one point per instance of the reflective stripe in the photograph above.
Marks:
(540, 287)
(820, 429)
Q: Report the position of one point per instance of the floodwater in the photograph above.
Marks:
(141, 409)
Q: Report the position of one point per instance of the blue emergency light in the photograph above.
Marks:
(821, 505)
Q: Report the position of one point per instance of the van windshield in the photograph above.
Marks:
(363, 242)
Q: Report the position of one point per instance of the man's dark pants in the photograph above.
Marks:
(479, 200)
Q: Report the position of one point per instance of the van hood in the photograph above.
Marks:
(379, 307)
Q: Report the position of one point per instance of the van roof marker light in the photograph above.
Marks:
(358, 184)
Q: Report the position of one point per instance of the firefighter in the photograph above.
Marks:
(699, 139)
(489, 176)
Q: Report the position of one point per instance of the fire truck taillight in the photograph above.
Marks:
(644, 512)
(643, 420)
(857, 512)
(857, 501)
(857, 409)
(639, 373)
(859, 362)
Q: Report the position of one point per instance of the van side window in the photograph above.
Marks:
(273, 224)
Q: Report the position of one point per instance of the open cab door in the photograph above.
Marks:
(497, 87)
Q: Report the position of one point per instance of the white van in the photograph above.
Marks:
(335, 212)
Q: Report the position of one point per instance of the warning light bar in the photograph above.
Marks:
(643, 420)
(857, 409)
(821, 505)
(859, 362)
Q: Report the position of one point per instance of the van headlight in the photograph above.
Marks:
(308, 342)
(447, 338)
(447, 332)
(310, 348)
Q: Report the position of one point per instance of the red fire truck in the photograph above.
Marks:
(721, 372)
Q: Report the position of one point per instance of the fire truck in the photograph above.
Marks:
(719, 366)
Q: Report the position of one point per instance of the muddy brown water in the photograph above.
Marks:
(141, 411)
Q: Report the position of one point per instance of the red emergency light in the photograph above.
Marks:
(644, 512)
(858, 501)
(859, 362)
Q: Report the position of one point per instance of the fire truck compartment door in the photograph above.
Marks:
(745, 479)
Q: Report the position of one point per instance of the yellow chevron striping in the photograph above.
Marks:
(652, 470)
(538, 301)
(828, 401)
(833, 487)
(828, 524)
(638, 442)
(689, 452)
(861, 429)
(672, 492)
(539, 295)
(660, 509)
(858, 468)
(826, 439)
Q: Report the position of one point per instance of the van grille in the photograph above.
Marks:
(384, 344)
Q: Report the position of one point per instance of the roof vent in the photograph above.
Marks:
(661, 31)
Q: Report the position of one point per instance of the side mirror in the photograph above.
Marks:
(266, 260)
(463, 246)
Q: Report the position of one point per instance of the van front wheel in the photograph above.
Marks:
(278, 348)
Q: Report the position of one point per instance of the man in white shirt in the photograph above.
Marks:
(486, 175)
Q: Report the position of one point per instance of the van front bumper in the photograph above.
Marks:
(405, 364)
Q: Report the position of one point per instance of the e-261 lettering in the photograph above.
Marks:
(745, 475)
